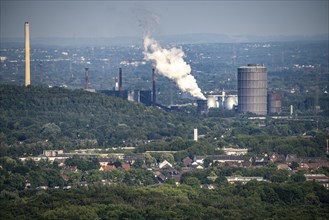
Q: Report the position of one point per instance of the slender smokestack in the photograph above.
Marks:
(41, 72)
(195, 134)
(87, 78)
(153, 87)
(116, 85)
(120, 81)
(27, 54)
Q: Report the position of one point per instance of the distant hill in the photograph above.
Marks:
(36, 118)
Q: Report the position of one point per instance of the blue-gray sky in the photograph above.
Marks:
(120, 18)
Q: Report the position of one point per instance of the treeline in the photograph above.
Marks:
(254, 200)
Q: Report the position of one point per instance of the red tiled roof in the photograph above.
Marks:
(125, 166)
(71, 168)
(105, 168)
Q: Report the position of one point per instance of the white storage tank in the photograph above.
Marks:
(230, 102)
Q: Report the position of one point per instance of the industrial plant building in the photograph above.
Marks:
(274, 103)
(146, 97)
(252, 95)
(252, 89)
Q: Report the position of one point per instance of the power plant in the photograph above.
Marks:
(27, 54)
(252, 89)
(146, 97)
(223, 101)
(251, 95)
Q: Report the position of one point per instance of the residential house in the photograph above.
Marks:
(71, 168)
(209, 186)
(243, 179)
(160, 177)
(165, 163)
(226, 158)
(292, 158)
(233, 164)
(61, 162)
(107, 167)
(275, 157)
(319, 178)
(187, 161)
(283, 166)
(199, 159)
(260, 161)
(311, 160)
(52, 153)
(312, 166)
(196, 166)
(246, 164)
(43, 187)
(126, 166)
(132, 158)
(106, 161)
(235, 151)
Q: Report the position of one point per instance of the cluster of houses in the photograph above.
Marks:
(164, 170)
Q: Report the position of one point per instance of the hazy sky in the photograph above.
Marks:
(122, 18)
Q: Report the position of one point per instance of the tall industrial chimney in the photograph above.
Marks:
(153, 87)
(116, 84)
(41, 72)
(27, 54)
(87, 78)
(195, 134)
(120, 81)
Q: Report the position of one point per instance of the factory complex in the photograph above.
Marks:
(251, 96)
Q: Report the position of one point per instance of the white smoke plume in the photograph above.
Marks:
(170, 63)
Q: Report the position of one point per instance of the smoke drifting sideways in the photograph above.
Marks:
(170, 63)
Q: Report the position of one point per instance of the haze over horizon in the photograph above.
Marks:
(108, 19)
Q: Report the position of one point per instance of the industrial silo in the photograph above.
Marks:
(230, 102)
(212, 101)
(274, 103)
(252, 89)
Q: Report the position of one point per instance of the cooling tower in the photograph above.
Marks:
(252, 89)
(27, 54)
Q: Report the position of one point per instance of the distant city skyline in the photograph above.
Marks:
(95, 19)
